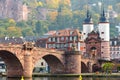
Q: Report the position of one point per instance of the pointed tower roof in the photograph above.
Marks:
(103, 17)
(88, 18)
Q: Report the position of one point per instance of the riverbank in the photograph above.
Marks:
(77, 75)
(74, 75)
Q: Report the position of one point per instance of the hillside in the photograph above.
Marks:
(45, 15)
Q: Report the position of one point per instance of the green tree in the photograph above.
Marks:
(78, 19)
(27, 32)
(107, 66)
(21, 24)
(117, 7)
(41, 27)
(13, 31)
(2, 32)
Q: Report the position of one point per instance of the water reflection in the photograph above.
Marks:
(63, 78)
(17, 79)
(56, 78)
(102, 78)
(76, 78)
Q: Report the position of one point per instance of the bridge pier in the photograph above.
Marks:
(27, 65)
(73, 62)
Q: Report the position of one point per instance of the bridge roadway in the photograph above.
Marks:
(21, 59)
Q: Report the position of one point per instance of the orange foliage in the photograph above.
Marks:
(53, 15)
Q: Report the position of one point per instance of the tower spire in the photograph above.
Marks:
(88, 18)
(103, 16)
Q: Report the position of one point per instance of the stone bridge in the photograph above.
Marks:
(21, 59)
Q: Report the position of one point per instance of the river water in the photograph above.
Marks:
(63, 78)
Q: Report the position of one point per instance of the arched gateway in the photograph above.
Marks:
(21, 59)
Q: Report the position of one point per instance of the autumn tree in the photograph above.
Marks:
(13, 31)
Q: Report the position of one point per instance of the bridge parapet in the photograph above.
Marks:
(73, 52)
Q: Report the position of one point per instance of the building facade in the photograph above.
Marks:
(97, 41)
(64, 39)
(115, 48)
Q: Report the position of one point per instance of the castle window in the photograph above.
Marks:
(49, 39)
(102, 38)
(118, 48)
(62, 38)
(58, 40)
(66, 38)
(115, 43)
(111, 49)
(110, 42)
(53, 45)
(71, 38)
(80, 32)
(55, 39)
(102, 32)
(80, 37)
(84, 33)
(114, 48)
(75, 37)
(71, 32)
(41, 63)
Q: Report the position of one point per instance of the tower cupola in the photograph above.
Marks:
(88, 19)
(103, 17)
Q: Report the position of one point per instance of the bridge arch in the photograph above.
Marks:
(13, 65)
(84, 68)
(54, 61)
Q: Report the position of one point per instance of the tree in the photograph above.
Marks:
(2, 32)
(13, 31)
(41, 27)
(22, 24)
(107, 66)
(27, 32)
(12, 22)
(52, 4)
(117, 7)
(78, 19)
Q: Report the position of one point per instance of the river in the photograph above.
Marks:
(63, 78)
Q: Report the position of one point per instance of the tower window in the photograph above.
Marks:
(71, 32)
(102, 32)
(41, 63)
